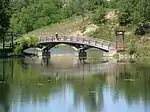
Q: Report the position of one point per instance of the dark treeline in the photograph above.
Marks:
(26, 15)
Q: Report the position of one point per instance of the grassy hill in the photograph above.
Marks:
(137, 45)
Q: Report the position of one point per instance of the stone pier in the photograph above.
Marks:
(82, 55)
(44, 54)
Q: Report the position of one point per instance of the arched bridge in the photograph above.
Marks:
(80, 43)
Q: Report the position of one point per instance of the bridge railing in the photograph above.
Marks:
(79, 39)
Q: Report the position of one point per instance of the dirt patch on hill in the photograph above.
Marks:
(85, 30)
(111, 15)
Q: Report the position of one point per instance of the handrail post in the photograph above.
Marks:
(41, 38)
(64, 38)
(71, 38)
(89, 41)
(109, 45)
(46, 38)
(52, 38)
(102, 43)
(77, 38)
(83, 40)
(95, 42)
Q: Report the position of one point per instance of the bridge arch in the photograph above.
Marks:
(45, 43)
(75, 45)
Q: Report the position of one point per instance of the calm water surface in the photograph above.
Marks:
(62, 85)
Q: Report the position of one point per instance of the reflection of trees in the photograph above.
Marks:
(134, 85)
(37, 92)
(90, 91)
(4, 99)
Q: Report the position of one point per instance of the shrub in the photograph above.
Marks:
(124, 18)
(99, 16)
(32, 41)
(132, 47)
(25, 42)
(131, 50)
(140, 29)
(18, 49)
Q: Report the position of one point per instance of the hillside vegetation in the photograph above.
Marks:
(95, 18)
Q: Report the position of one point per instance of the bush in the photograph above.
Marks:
(132, 51)
(25, 42)
(32, 41)
(140, 29)
(18, 49)
(99, 16)
(124, 18)
(132, 47)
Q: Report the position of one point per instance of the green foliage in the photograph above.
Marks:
(132, 47)
(33, 41)
(4, 16)
(40, 13)
(138, 10)
(16, 5)
(99, 16)
(18, 49)
(91, 6)
(124, 18)
(29, 41)
(25, 42)
(81, 8)
(34, 16)
(141, 28)
(29, 15)
(132, 50)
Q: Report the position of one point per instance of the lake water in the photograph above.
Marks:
(63, 84)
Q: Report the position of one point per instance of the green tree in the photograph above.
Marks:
(81, 7)
(125, 18)
(39, 14)
(137, 10)
(16, 5)
(99, 16)
(4, 16)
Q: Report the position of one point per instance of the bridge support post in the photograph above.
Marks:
(82, 55)
(46, 53)
(119, 43)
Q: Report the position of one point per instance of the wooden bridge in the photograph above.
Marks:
(80, 43)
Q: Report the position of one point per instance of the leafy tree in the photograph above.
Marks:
(99, 16)
(16, 5)
(125, 18)
(4, 16)
(138, 10)
(140, 28)
(81, 8)
(39, 14)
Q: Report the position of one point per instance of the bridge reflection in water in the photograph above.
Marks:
(67, 65)
(93, 92)
(63, 65)
(6, 68)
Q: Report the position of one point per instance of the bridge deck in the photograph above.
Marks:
(96, 43)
